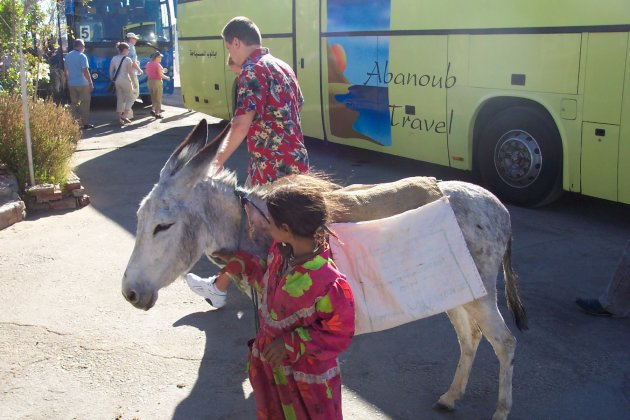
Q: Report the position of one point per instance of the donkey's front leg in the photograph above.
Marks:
(469, 336)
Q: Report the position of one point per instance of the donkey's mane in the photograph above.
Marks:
(223, 176)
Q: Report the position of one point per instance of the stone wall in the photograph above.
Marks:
(53, 197)
(12, 208)
(39, 197)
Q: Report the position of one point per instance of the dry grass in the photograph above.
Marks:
(54, 135)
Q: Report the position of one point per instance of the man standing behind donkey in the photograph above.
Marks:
(79, 82)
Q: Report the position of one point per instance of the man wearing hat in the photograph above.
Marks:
(131, 40)
(155, 75)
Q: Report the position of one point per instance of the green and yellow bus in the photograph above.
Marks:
(533, 95)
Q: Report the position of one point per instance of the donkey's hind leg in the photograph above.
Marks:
(486, 314)
(469, 336)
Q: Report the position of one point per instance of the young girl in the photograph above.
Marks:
(155, 75)
(306, 310)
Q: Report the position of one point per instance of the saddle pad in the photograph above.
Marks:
(406, 267)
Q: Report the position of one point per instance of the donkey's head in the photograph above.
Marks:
(170, 235)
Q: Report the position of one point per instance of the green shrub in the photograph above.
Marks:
(54, 135)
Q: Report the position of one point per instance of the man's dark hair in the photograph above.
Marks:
(78, 43)
(242, 28)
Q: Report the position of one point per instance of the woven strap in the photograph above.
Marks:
(243, 199)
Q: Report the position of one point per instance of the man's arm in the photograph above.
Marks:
(86, 74)
(234, 137)
(136, 66)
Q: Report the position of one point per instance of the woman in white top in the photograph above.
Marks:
(124, 88)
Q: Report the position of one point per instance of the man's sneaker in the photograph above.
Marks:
(207, 289)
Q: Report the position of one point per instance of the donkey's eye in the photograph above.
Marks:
(160, 228)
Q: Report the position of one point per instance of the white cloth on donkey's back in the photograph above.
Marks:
(406, 267)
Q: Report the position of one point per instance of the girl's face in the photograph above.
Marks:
(280, 233)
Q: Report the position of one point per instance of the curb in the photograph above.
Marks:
(12, 209)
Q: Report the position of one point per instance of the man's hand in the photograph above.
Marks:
(275, 352)
(236, 135)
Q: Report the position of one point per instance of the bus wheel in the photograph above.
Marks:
(519, 156)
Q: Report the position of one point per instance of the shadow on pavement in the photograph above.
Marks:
(219, 391)
(118, 180)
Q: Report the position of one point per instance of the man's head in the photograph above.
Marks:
(78, 44)
(241, 36)
(132, 38)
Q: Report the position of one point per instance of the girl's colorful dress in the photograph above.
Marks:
(312, 308)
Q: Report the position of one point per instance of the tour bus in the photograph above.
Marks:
(532, 95)
(103, 23)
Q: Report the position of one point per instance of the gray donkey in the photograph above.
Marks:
(193, 209)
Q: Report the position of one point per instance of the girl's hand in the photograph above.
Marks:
(275, 352)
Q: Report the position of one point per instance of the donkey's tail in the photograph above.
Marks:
(511, 290)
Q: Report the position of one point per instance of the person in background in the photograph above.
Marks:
(267, 113)
(306, 311)
(124, 88)
(80, 83)
(155, 75)
(132, 39)
(615, 301)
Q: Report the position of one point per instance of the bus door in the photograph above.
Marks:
(383, 90)
(604, 76)
(624, 139)
(208, 85)
(307, 66)
(202, 71)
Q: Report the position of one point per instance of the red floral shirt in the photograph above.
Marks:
(275, 141)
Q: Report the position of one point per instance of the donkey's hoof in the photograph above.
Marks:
(438, 406)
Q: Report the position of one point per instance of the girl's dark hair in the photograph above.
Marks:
(301, 202)
(242, 28)
(122, 46)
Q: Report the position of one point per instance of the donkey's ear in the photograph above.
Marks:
(206, 155)
(194, 142)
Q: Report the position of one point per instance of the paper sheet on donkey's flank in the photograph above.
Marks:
(406, 267)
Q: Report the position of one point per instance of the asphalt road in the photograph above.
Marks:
(72, 348)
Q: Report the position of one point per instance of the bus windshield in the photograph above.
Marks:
(109, 21)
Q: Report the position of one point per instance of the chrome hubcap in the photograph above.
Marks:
(518, 159)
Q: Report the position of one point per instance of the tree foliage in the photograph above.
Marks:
(39, 34)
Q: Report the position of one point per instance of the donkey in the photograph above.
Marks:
(193, 209)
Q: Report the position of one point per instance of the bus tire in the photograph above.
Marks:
(519, 156)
